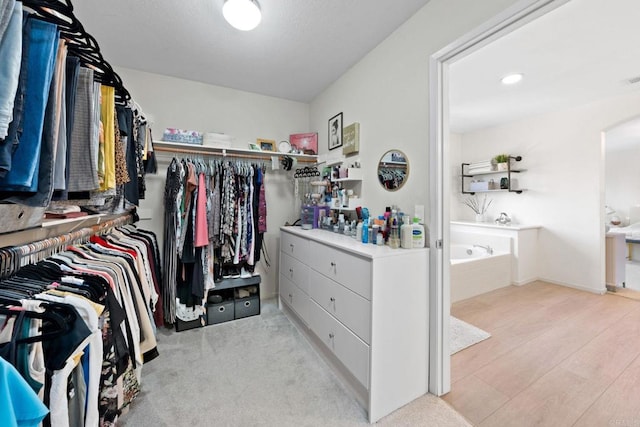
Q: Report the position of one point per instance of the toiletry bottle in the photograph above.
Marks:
(380, 238)
(417, 236)
(365, 230)
(394, 236)
(359, 231)
(406, 234)
(373, 233)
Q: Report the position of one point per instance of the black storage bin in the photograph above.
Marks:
(182, 325)
(249, 306)
(222, 312)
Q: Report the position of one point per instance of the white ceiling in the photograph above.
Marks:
(299, 48)
(581, 52)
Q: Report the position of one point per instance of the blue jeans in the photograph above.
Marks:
(10, 143)
(11, 52)
(43, 46)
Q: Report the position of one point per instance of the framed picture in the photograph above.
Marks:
(351, 139)
(304, 143)
(266, 144)
(335, 131)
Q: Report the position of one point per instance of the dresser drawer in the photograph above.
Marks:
(296, 299)
(345, 305)
(352, 271)
(295, 246)
(295, 271)
(348, 348)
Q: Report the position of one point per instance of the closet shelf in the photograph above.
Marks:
(176, 147)
(55, 227)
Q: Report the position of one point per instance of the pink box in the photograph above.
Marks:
(305, 143)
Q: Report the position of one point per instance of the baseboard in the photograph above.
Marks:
(525, 281)
(600, 291)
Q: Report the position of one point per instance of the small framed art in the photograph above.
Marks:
(335, 131)
(266, 144)
(351, 139)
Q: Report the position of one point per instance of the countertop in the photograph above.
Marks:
(512, 226)
(350, 244)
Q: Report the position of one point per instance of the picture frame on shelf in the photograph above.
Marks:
(266, 144)
(304, 143)
(335, 132)
(351, 139)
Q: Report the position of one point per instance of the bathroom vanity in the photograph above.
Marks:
(364, 308)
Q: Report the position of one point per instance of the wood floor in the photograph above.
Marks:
(557, 357)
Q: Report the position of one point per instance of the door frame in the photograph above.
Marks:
(519, 14)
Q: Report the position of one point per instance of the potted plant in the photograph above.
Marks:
(501, 160)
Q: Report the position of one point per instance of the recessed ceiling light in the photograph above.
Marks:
(510, 79)
(243, 15)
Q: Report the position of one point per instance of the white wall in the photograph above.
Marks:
(172, 102)
(387, 93)
(562, 153)
(622, 178)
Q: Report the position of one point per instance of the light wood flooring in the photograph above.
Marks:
(557, 357)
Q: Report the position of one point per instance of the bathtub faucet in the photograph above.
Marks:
(487, 248)
(503, 219)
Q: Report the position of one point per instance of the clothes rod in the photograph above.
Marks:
(266, 155)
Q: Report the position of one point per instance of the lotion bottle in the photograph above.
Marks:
(417, 234)
(406, 234)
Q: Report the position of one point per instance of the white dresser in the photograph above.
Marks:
(364, 308)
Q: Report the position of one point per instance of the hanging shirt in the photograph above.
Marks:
(19, 404)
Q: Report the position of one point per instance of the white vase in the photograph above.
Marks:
(502, 166)
(479, 217)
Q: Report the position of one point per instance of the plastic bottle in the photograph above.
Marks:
(394, 236)
(380, 238)
(359, 231)
(417, 235)
(373, 234)
(365, 231)
(406, 234)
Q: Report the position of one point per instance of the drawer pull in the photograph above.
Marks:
(332, 299)
(333, 264)
(331, 335)
(221, 309)
(291, 246)
(247, 303)
(290, 296)
(291, 272)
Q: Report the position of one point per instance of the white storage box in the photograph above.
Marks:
(478, 186)
(218, 140)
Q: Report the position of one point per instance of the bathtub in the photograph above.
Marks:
(475, 271)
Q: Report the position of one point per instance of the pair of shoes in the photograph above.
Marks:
(230, 272)
(244, 273)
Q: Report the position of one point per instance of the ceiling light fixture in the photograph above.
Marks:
(511, 79)
(243, 15)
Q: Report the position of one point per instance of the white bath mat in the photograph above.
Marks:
(464, 335)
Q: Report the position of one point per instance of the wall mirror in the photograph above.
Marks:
(393, 170)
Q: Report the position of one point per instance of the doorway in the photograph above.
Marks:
(622, 207)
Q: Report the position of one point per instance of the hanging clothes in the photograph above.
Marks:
(215, 217)
(87, 316)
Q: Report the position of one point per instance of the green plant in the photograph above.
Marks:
(501, 158)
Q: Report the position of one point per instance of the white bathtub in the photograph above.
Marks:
(477, 272)
(465, 253)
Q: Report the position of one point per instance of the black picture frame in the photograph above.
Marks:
(335, 131)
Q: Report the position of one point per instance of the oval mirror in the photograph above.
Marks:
(393, 170)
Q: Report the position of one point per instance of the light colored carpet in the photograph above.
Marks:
(257, 371)
(464, 335)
